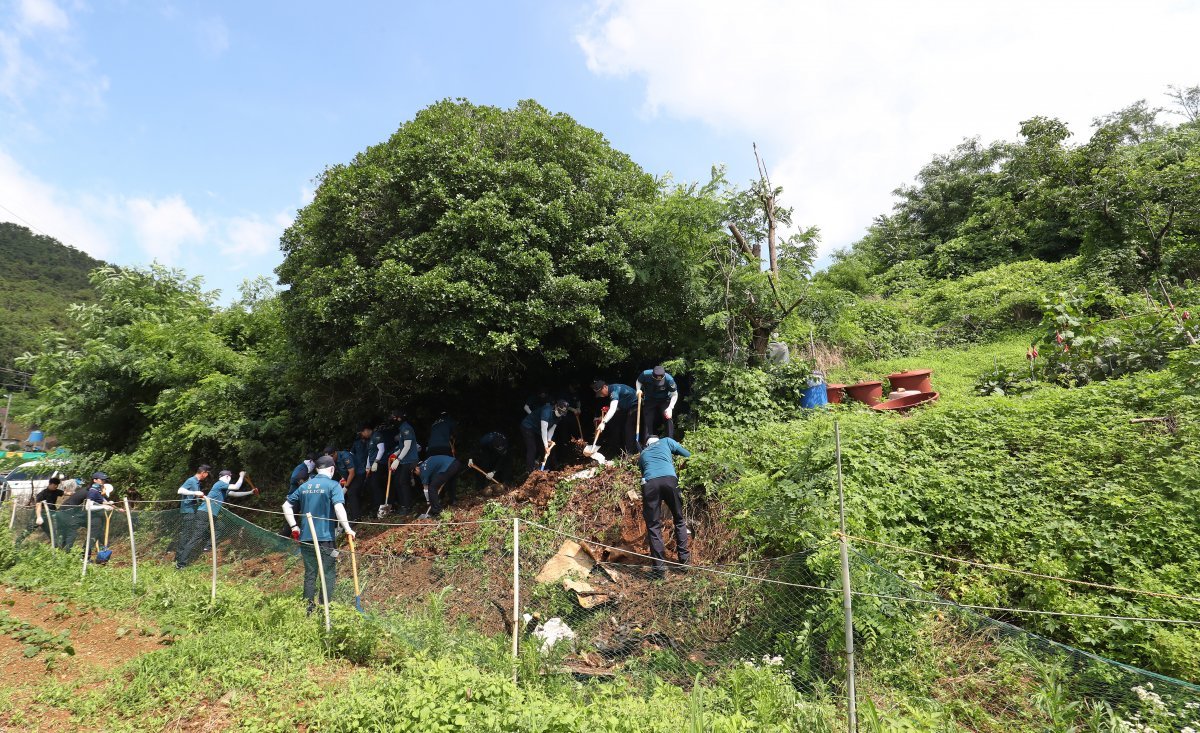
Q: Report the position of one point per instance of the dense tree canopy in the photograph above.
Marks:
(1126, 199)
(477, 245)
(159, 375)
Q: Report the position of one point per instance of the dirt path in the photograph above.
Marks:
(101, 641)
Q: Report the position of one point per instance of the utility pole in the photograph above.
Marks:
(851, 704)
(8, 409)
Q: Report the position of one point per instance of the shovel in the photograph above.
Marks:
(104, 553)
(590, 451)
(354, 571)
(386, 507)
(546, 458)
(471, 463)
(637, 430)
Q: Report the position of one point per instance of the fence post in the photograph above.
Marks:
(12, 522)
(212, 541)
(516, 627)
(312, 530)
(851, 703)
(49, 522)
(132, 547)
(87, 542)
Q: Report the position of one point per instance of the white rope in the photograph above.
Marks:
(384, 524)
(997, 609)
(1027, 573)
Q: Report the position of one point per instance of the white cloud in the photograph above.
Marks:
(213, 35)
(849, 100)
(31, 202)
(164, 226)
(41, 15)
(252, 236)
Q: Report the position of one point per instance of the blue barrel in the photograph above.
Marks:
(36, 436)
(815, 395)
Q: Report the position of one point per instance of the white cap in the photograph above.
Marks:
(652, 440)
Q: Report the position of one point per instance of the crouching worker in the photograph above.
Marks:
(660, 486)
(437, 472)
(322, 497)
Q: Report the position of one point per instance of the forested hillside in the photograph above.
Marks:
(482, 254)
(40, 278)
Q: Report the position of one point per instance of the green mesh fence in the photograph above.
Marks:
(918, 657)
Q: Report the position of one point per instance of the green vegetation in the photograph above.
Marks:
(480, 252)
(39, 281)
(273, 669)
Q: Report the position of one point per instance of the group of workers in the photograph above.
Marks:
(382, 469)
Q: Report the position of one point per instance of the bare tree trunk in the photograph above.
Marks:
(768, 201)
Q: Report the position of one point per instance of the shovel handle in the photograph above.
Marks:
(489, 478)
(354, 566)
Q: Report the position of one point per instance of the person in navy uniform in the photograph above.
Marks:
(538, 429)
(301, 472)
(660, 393)
(441, 436)
(622, 413)
(192, 526)
(660, 486)
(323, 498)
(438, 472)
(362, 450)
(401, 463)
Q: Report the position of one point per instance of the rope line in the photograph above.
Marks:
(1027, 573)
(997, 609)
(380, 524)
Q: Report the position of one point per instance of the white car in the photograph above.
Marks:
(26, 480)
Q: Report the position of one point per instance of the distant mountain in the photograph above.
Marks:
(39, 278)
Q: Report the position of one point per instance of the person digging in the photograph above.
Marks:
(435, 473)
(193, 527)
(221, 491)
(660, 485)
(398, 490)
(323, 498)
(622, 408)
(661, 395)
(538, 430)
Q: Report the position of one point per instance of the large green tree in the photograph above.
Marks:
(158, 376)
(478, 245)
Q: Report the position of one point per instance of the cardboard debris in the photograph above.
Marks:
(579, 586)
(584, 474)
(612, 574)
(589, 602)
(570, 558)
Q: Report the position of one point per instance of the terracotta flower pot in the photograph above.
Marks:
(907, 402)
(866, 392)
(916, 379)
(833, 393)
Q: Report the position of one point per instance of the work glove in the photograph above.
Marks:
(394, 464)
(667, 414)
(39, 521)
(296, 533)
(241, 474)
(351, 534)
(490, 474)
(374, 466)
(600, 427)
(383, 510)
(256, 491)
(198, 494)
(342, 483)
(575, 410)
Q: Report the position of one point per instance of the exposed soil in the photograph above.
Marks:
(101, 641)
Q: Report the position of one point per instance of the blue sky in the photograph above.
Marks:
(190, 133)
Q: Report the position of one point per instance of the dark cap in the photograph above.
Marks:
(329, 450)
(203, 468)
(598, 385)
(100, 476)
(659, 371)
(225, 472)
(324, 462)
